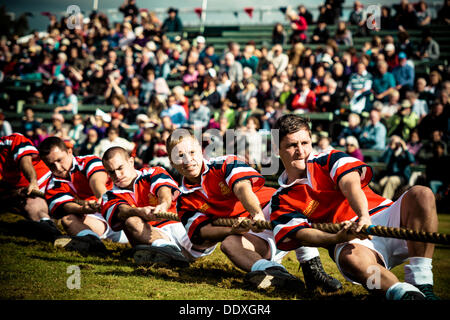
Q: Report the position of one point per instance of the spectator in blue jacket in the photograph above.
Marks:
(383, 83)
(200, 114)
(373, 135)
(172, 23)
(175, 112)
(403, 74)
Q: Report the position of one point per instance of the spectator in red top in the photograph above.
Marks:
(391, 56)
(299, 27)
(305, 99)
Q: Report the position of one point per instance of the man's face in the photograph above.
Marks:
(374, 117)
(295, 149)
(382, 68)
(59, 162)
(187, 158)
(120, 170)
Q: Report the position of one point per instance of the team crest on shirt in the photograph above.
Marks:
(311, 207)
(152, 200)
(224, 189)
(204, 207)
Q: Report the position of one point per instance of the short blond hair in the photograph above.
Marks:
(177, 136)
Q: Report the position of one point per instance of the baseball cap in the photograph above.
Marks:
(389, 47)
(200, 39)
(402, 55)
(405, 104)
(142, 117)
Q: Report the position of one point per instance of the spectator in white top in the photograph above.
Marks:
(420, 107)
(112, 140)
(128, 36)
(5, 126)
(279, 59)
(233, 68)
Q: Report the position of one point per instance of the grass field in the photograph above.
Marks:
(31, 269)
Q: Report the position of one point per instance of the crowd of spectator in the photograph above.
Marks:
(374, 93)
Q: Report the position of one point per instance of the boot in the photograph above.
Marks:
(275, 277)
(427, 290)
(315, 276)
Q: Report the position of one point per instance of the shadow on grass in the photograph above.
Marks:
(23, 228)
(77, 258)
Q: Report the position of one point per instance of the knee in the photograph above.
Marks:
(229, 244)
(36, 207)
(351, 260)
(67, 220)
(421, 196)
(133, 223)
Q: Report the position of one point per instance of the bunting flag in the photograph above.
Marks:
(283, 9)
(249, 11)
(198, 11)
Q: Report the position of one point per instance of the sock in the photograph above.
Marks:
(86, 232)
(161, 243)
(263, 264)
(418, 271)
(396, 291)
(306, 253)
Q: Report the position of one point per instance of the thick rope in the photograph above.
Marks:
(380, 231)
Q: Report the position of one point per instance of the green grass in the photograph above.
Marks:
(31, 269)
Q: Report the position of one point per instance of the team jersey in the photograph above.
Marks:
(60, 191)
(12, 149)
(145, 193)
(213, 198)
(317, 197)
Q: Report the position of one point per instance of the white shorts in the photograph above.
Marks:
(178, 235)
(267, 235)
(115, 236)
(392, 251)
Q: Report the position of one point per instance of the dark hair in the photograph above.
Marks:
(111, 152)
(49, 143)
(111, 129)
(291, 123)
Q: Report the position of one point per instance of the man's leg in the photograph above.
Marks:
(152, 244)
(74, 224)
(253, 254)
(140, 232)
(37, 211)
(85, 232)
(418, 212)
(392, 183)
(36, 208)
(364, 266)
(245, 250)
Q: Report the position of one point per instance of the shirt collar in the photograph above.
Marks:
(186, 189)
(282, 180)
